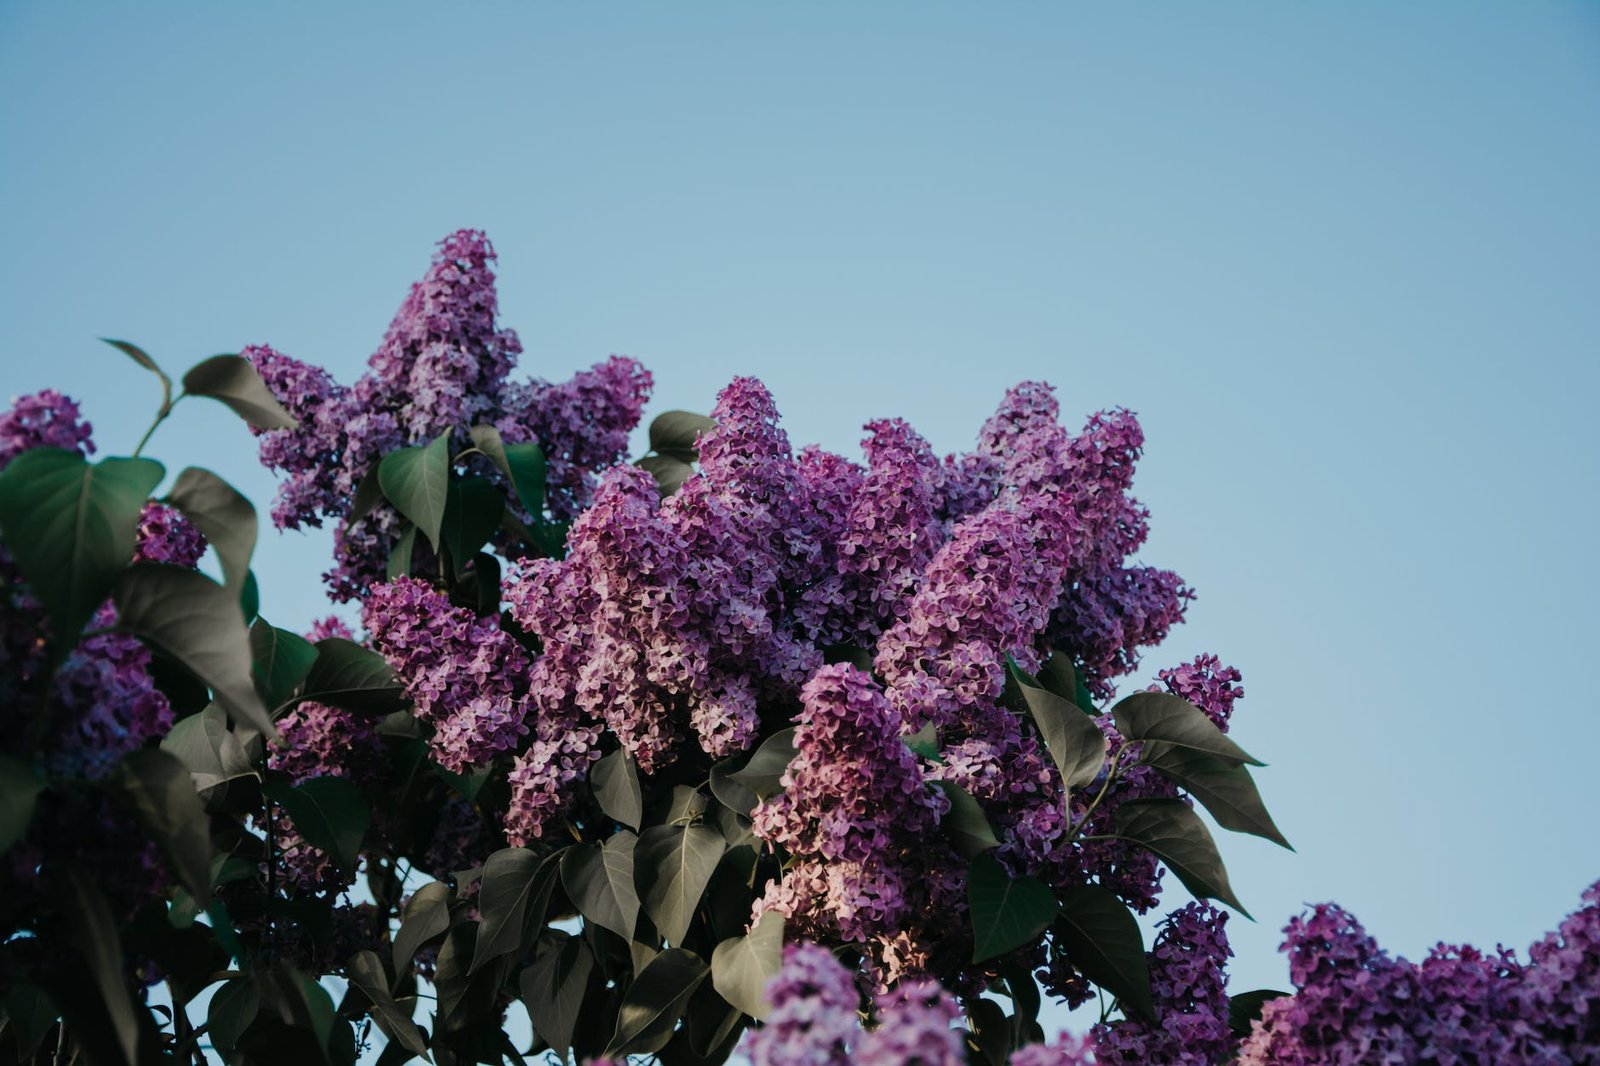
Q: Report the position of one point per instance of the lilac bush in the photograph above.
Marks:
(737, 737)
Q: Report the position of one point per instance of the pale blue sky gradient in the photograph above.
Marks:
(1344, 260)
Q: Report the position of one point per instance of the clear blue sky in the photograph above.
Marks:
(1344, 260)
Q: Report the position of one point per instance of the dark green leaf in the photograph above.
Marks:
(365, 970)
(991, 1030)
(71, 528)
(226, 518)
(19, 788)
(743, 966)
(965, 823)
(673, 864)
(523, 464)
(250, 598)
(93, 935)
(654, 1001)
(368, 495)
(677, 433)
(1103, 940)
(512, 902)
(138, 355)
(1075, 743)
(399, 561)
(615, 783)
(232, 1009)
(197, 622)
(205, 746)
(231, 379)
(1246, 1008)
(599, 881)
(763, 774)
(280, 661)
(854, 654)
(1006, 913)
(554, 987)
(925, 741)
(471, 515)
(26, 1015)
(417, 482)
(157, 788)
(1160, 719)
(670, 473)
(1178, 837)
(330, 812)
(1224, 788)
(427, 914)
(354, 678)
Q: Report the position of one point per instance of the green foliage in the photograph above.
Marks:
(330, 812)
(20, 786)
(417, 482)
(232, 380)
(1007, 912)
(226, 518)
(198, 623)
(70, 526)
(742, 966)
(1103, 940)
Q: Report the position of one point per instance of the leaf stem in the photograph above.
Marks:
(161, 416)
(1111, 778)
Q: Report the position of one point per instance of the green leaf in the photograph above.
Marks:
(677, 434)
(554, 987)
(472, 511)
(232, 380)
(197, 622)
(512, 902)
(673, 864)
(925, 741)
(1006, 913)
(280, 661)
(763, 774)
(965, 823)
(71, 528)
(368, 495)
(670, 473)
(330, 812)
(250, 598)
(93, 934)
(157, 789)
(599, 881)
(26, 1015)
(654, 1002)
(1075, 743)
(138, 355)
(1177, 836)
(417, 482)
(523, 464)
(1224, 788)
(1246, 1008)
(208, 750)
(19, 790)
(1159, 719)
(399, 562)
(990, 1031)
(365, 971)
(225, 517)
(743, 966)
(614, 780)
(352, 678)
(426, 915)
(233, 1007)
(1103, 940)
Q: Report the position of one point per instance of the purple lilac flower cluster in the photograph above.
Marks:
(816, 1020)
(466, 677)
(858, 820)
(1356, 1003)
(1189, 989)
(442, 366)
